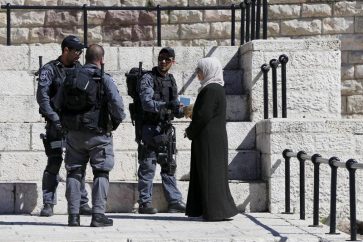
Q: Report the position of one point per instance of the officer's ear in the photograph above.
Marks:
(103, 60)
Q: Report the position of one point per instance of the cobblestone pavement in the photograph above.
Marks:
(129, 227)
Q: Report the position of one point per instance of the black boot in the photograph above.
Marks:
(85, 209)
(47, 210)
(147, 209)
(74, 220)
(178, 207)
(100, 220)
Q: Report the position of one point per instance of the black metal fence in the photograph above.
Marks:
(250, 17)
(351, 165)
(265, 68)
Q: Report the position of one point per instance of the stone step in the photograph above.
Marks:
(26, 197)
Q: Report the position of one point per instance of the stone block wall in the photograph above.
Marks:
(313, 77)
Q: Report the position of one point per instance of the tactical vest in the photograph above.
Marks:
(59, 71)
(165, 89)
(85, 105)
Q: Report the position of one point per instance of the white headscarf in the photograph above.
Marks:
(212, 71)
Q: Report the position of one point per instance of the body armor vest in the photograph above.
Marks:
(165, 89)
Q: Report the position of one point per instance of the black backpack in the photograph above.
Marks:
(135, 108)
(82, 90)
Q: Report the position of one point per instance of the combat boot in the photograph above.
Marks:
(85, 210)
(47, 210)
(100, 220)
(147, 209)
(74, 220)
(178, 207)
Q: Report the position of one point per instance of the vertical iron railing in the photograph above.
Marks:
(250, 17)
(274, 64)
(301, 157)
(351, 165)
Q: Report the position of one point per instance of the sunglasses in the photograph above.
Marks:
(166, 59)
(77, 52)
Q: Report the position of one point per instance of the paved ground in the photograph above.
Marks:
(129, 227)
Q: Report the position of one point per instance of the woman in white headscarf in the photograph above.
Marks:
(209, 195)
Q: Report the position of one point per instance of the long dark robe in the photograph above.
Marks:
(209, 193)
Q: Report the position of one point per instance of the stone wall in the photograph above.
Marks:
(288, 19)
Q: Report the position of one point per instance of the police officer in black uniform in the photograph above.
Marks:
(51, 75)
(89, 136)
(158, 94)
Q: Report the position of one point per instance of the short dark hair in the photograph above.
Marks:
(94, 53)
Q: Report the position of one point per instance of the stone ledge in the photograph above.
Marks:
(26, 197)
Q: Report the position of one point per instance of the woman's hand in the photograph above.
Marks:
(188, 111)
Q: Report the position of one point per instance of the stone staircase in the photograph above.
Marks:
(22, 153)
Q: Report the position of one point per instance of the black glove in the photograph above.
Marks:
(173, 106)
(58, 127)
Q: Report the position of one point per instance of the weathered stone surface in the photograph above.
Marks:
(14, 136)
(227, 55)
(2, 19)
(182, 16)
(284, 11)
(353, 42)
(36, 141)
(36, 2)
(347, 72)
(121, 18)
(233, 82)
(73, 3)
(128, 58)
(170, 32)
(147, 18)
(27, 19)
(347, 8)
(359, 24)
(19, 35)
(358, 71)
(244, 165)
(246, 138)
(171, 2)
(135, 3)
(273, 29)
(300, 27)
(48, 52)
(121, 34)
(237, 108)
(220, 30)
(19, 109)
(16, 83)
(193, 31)
(202, 2)
(62, 18)
(338, 25)
(29, 166)
(14, 58)
(354, 104)
(26, 197)
(352, 87)
(42, 35)
(94, 35)
(105, 3)
(316, 10)
(111, 58)
(217, 15)
(96, 17)
(355, 57)
(142, 33)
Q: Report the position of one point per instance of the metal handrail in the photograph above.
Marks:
(265, 68)
(244, 6)
(351, 165)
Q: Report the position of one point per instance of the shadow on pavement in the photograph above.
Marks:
(273, 232)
